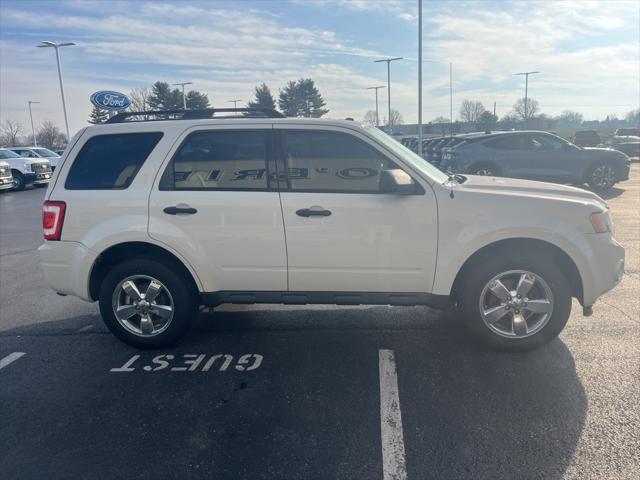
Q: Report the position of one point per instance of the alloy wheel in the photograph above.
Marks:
(603, 176)
(516, 304)
(143, 305)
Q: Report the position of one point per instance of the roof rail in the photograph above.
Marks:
(159, 115)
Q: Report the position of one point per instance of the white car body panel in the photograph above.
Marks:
(374, 243)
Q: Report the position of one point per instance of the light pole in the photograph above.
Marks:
(56, 47)
(235, 103)
(451, 99)
(388, 60)
(184, 98)
(526, 96)
(376, 89)
(33, 130)
(420, 77)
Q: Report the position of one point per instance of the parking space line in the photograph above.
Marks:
(393, 457)
(12, 357)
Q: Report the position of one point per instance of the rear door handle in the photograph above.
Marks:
(180, 210)
(313, 212)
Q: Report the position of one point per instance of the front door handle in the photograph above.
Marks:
(313, 212)
(180, 210)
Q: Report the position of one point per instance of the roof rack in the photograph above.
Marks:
(159, 115)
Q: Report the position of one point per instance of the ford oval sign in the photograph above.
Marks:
(110, 100)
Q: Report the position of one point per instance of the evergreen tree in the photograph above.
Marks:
(98, 115)
(264, 98)
(163, 98)
(195, 100)
(302, 99)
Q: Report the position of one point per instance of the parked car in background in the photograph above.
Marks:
(586, 138)
(627, 132)
(628, 145)
(6, 178)
(154, 218)
(537, 156)
(26, 170)
(38, 152)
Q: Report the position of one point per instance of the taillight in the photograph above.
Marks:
(52, 219)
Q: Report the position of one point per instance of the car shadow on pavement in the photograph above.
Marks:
(611, 193)
(467, 412)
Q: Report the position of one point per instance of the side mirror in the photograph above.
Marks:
(398, 182)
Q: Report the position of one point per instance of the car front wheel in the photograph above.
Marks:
(146, 303)
(515, 304)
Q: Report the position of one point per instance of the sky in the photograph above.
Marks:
(587, 53)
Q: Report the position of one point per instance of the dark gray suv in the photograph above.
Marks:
(536, 156)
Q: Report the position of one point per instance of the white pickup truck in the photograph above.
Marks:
(6, 179)
(25, 171)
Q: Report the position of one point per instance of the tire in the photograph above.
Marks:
(475, 293)
(175, 292)
(485, 170)
(18, 181)
(602, 176)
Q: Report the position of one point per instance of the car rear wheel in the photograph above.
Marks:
(146, 304)
(515, 303)
(602, 177)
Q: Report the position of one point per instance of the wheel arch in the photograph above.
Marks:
(125, 250)
(515, 245)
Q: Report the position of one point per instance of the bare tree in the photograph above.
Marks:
(10, 133)
(139, 99)
(471, 111)
(531, 111)
(50, 136)
(569, 118)
(370, 118)
(396, 118)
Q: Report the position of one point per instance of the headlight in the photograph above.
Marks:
(600, 222)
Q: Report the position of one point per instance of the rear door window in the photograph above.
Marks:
(512, 142)
(219, 160)
(111, 162)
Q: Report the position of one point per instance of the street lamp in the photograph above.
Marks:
(526, 96)
(376, 89)
(235, 103)
(184, 98)
(33, 131)
(56, 47)
(388, 60)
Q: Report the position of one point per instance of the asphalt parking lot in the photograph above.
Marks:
(281, 392)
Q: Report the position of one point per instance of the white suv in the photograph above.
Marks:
(155, 218)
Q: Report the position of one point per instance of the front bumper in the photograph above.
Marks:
(607, 266)
(67, 267)
(6, 183)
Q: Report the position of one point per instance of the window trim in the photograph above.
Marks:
(76, 156)
(268, 146)
(281, 162)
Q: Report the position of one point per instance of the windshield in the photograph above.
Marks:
(8, 154)
(414, 159)
(45, 152)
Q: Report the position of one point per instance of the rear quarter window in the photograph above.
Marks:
(110, 162)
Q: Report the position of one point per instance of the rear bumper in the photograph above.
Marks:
(67, 267)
